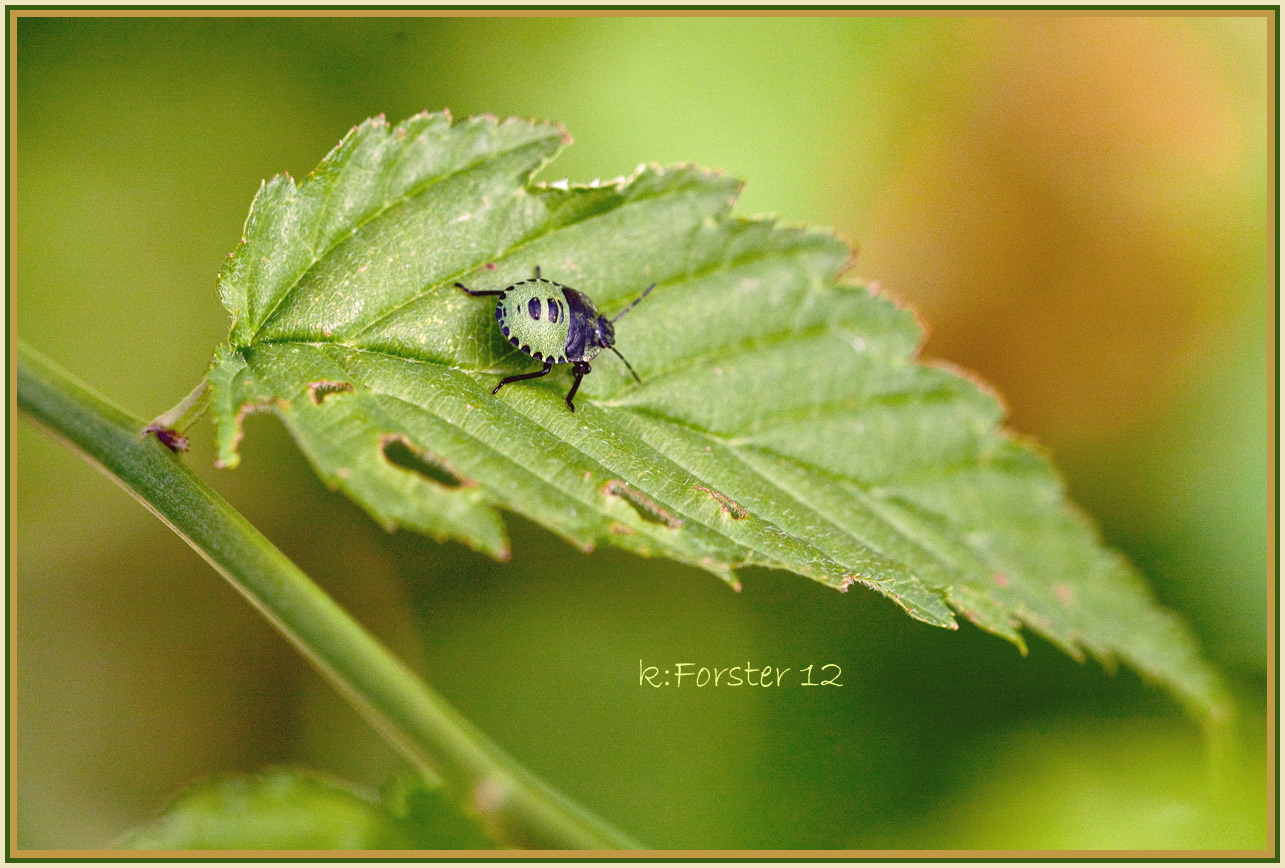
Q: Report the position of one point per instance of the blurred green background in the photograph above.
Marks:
(1081, 209)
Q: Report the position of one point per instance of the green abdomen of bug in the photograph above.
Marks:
(548, 321)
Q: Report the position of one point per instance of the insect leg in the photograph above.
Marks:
(480, 291)
(581, 368)
(531, 376)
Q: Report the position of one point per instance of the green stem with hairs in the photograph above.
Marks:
(514, 805)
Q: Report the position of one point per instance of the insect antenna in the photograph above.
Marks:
(633, 304)
(622, 358)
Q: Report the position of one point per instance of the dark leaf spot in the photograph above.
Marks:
(647, 509)
(323, 389)
(729, 506)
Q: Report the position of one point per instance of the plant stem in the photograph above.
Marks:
(512, 803)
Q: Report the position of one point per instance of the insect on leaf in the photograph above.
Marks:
(782, 420)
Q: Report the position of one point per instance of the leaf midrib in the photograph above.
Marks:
(411, 193)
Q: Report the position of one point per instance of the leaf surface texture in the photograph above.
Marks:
(783, 419)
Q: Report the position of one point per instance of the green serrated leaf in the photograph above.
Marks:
(279, 809)
(783, 419)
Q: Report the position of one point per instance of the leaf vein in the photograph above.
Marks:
(411, 192)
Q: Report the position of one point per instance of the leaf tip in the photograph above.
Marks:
(228, 461)
(724, 572)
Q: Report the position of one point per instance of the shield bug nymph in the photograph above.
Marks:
(554, 324)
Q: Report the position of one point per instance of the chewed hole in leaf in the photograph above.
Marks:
(249, 408)
(729, 506)
(648, 510)
(322, 389)
(399, 452)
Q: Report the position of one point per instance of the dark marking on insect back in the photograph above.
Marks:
(587, 333)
